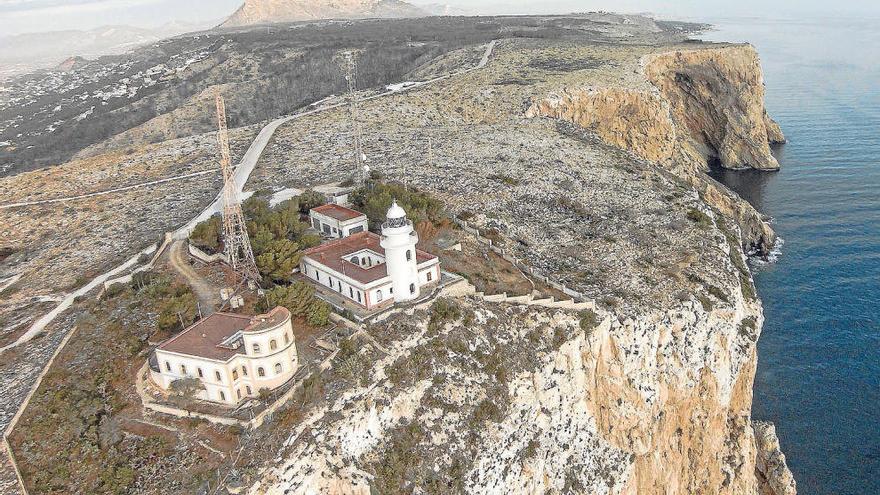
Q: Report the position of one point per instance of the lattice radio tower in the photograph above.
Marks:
(350, 62)
(235, 235)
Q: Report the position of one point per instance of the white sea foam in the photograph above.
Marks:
(772, 256)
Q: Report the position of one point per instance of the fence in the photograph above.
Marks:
(517, 263)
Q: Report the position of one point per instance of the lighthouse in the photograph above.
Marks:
(399, 240)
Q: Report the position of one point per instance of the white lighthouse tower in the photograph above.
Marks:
(399, 240)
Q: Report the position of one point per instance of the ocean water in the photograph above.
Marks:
(818, 373)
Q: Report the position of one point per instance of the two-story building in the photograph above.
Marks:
(337, 221)
(233, 356)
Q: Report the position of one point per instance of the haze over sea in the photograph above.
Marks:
(819, 356)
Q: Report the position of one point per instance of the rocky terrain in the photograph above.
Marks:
(583, 153)
(273, 11)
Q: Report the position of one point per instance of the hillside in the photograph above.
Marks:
(273, 11)
(648, 392)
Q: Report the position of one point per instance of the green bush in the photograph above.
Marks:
(699, 218)
(588, 319)
(299, 298)
(375, 199)
(207, 234)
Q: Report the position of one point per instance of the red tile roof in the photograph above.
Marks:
(337, 212)
(203, 338)
(334, 255)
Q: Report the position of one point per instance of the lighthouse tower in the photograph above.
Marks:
(399, 240)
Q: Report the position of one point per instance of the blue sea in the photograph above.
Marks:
(818, 373)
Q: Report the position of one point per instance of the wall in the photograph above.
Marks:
(517, 263)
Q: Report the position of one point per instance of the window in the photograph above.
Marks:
(238, 392)
(412, 288)
(286, 338)
(391, 290)
(338, 283)
(167, 366)
(256, 348)
(408, 255)
(379, 295)
(355, 230)
(273, 345)
(278, 368)
(217, 376)
(335, 231)
(182, 369)
(355, 260)
(261, 372)
(366, 260)
(222, 396)
(243, 370)
(248, 388)
(359, 296)
(430, 276)
(316, 223)
(350, 292)
(199, 371)
(235, 374)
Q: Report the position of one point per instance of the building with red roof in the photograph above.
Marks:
(372, 270)
(232, 356)
(337, 221)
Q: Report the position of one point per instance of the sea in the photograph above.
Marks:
(818, 375)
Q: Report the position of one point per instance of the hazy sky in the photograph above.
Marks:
(18, 16)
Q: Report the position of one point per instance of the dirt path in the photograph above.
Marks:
(209, 296)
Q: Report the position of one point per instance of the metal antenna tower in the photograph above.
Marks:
(235, 235)
(350, 60)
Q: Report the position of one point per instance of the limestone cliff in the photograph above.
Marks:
(516, 399)
(699, 104)
(703, 103)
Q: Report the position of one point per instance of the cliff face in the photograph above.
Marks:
(651, 394)
(269, 11)
(706, 103)
(699, 104)
(531, 401)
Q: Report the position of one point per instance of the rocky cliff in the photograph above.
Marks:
(702, 104)
(269, 11)
(699, 104)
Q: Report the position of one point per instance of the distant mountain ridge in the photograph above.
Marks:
(272, 11)
(24, 53)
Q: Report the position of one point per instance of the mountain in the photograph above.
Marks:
(27, 52)
(271, 11)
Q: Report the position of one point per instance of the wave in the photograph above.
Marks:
(771, 257)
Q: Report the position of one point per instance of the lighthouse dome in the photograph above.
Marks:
(395, 211)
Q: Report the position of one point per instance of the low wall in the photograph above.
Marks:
(519, 264)
(24, 406)
(205, 257)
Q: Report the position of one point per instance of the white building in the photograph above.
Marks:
(374, 271)
(337, 221)
(234, 356)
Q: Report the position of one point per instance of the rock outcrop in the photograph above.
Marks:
(702, 104)
(696, 105)
(717, 99)
(271, 11)
(774, 477)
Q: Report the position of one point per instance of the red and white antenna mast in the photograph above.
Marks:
(235, 235)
